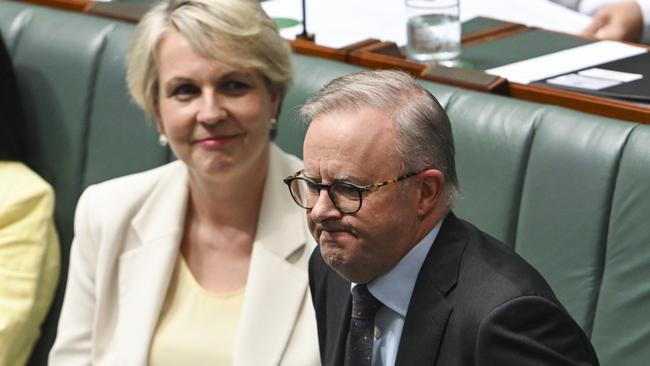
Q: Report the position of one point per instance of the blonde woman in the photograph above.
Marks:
(201, 261)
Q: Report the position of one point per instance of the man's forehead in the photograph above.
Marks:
(349, 145)
(351, 126)
(332, 168)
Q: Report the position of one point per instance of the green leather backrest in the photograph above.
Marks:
(566, 201)
(568, 191)
(622, 318)
(120, 139)
(493, 136)
(12, 17)
(55, 57)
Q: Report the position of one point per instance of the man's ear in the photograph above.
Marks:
(431, 183)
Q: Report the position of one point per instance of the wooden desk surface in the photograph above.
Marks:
(79, 5)
(373, 53)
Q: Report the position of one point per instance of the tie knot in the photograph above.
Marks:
(364, 305)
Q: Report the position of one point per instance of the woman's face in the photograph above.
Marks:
(215, 116)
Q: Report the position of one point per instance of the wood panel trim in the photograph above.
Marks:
(583, 102)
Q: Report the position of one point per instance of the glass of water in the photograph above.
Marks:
(433, 31)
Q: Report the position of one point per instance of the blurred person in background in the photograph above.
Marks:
(615, 19)
(29, 245)
(203, 260)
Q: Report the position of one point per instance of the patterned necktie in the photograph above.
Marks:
(358, 351)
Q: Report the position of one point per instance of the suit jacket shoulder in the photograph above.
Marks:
(478, 302)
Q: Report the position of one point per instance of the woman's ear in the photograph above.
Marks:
(276, 102)
(276, 106)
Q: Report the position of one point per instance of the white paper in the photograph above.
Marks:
(338, 23)
(565, 61)
(583, 82)
(624, 77)
(533, 13)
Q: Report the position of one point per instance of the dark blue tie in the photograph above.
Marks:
(358, 351)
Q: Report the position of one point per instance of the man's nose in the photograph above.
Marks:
(324, 208)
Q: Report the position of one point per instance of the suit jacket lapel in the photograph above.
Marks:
(333, 304)
(145, 270)
(339, 310)
(429, 310)
(277, 277)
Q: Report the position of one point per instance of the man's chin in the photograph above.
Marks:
(334, 256)
(347, 270)
(340, 263)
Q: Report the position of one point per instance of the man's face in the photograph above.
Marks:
(360, 147)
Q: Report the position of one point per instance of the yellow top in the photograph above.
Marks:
(29, 259)
(196, 326)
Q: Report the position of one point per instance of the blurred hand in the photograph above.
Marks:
(621, 21)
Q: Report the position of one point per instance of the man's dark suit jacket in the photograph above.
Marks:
(475, 302)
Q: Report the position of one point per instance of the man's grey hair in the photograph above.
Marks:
(425, 138)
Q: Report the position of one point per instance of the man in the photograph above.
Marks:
(428, 288)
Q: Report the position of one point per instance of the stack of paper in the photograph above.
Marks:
(562, 62)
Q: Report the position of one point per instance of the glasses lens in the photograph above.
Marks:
(346, 196)
(304, 192)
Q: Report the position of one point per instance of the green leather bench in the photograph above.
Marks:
(569, 191)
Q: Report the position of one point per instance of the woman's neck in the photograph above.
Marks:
(233, 201)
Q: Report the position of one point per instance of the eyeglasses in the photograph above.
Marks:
(345, 196)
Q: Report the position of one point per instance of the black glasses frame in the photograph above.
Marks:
(328, 187)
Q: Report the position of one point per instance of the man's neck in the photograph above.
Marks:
(429, 221)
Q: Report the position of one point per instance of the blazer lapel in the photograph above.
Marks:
(277, 283)
(146, 269)
(339, 309)
(429, 310)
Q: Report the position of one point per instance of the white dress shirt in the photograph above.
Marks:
(394, 289)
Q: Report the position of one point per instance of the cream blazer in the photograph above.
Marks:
(127, 236)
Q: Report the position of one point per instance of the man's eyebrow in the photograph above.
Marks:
(335, 178)
(343, 178)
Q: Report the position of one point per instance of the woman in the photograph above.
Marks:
(201, 261)
(29, 246)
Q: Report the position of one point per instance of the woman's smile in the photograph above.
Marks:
(215, 142)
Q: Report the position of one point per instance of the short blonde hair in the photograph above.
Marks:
(235, 32)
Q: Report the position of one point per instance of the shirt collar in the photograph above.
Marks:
(395, 287)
